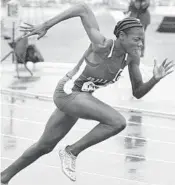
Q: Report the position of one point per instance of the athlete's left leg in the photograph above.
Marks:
(56, 128)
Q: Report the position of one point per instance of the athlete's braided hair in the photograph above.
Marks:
(126, 24)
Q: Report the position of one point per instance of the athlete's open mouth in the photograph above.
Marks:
(137, 52)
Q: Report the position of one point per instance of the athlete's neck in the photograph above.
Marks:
(118, 49)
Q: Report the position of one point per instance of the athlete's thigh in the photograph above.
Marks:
(86, 106)
(57, 127)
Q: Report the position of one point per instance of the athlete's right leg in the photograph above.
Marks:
(56, 128)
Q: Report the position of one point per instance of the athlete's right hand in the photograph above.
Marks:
(30, 30)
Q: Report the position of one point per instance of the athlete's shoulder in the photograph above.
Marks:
(101, 47)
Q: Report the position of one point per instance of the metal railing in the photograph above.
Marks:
(44, 97)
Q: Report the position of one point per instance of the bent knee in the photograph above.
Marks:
(118, 124)
(45, 148)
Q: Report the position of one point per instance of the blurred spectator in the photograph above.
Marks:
(139, 9)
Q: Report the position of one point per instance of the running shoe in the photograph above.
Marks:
(68, 163)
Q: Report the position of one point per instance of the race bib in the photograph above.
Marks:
(89, 87)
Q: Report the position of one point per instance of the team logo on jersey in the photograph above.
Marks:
(90, 86)
(97, 80)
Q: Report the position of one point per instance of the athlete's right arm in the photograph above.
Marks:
(88, 20)
(87, 17)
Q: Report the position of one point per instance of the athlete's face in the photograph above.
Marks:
(132, 41)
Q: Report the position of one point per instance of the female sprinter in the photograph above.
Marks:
(100, 65)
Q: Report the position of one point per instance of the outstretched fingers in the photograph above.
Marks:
(169, 71)
(28, 24)
(28, 28)
(164, 62)
(169, 67)
(28, 34)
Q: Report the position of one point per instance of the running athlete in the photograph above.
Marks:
(101, 64)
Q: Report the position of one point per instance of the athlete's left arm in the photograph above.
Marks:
(139, 88)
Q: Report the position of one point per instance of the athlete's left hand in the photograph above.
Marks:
(163, 70)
